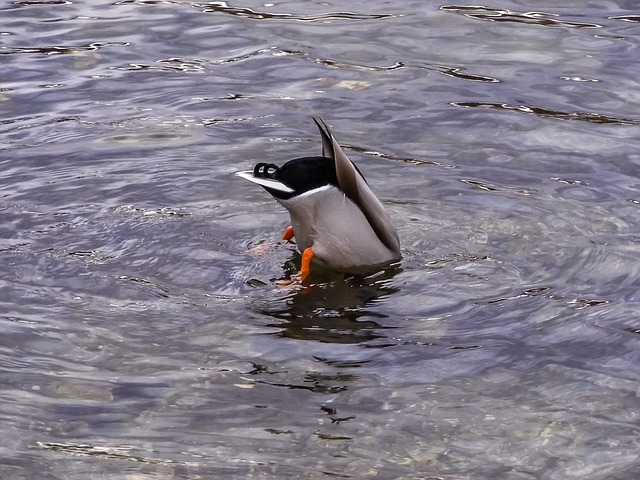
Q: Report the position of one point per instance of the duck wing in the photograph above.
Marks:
(355, 187)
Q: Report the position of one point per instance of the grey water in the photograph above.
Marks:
(144, 332)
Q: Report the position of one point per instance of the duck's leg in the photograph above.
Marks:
(307, 255)
(288, 234)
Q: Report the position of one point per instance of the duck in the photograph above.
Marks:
(336, 219)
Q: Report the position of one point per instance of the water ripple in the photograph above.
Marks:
(627, 18)
(493, 187)
(408, 160)
(167, 65)
(61, 50)
(357, 67)
(224, 7)
(546, 112)
(275, 51)
(502, 15)
(458, 72)
(31, 3)
(147, 2)
(117, 453)
(546, 293)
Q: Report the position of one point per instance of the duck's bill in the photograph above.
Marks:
(265, 182)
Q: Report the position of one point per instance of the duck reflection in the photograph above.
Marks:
(338, 308)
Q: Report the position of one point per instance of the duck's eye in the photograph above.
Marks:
(265, 170)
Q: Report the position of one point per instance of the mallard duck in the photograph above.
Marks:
(336, 219)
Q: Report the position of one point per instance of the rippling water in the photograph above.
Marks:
(142, 332)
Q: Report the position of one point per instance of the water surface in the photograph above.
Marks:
(142, 330)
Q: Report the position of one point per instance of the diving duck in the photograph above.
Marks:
(337, 220)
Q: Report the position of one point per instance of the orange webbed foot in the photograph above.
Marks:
(288, 234)
(307, 255)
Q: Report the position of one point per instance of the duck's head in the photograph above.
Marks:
(295, 177)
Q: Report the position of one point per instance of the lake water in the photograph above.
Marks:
(143, 333)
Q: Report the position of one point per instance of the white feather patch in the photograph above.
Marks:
(315, 191)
